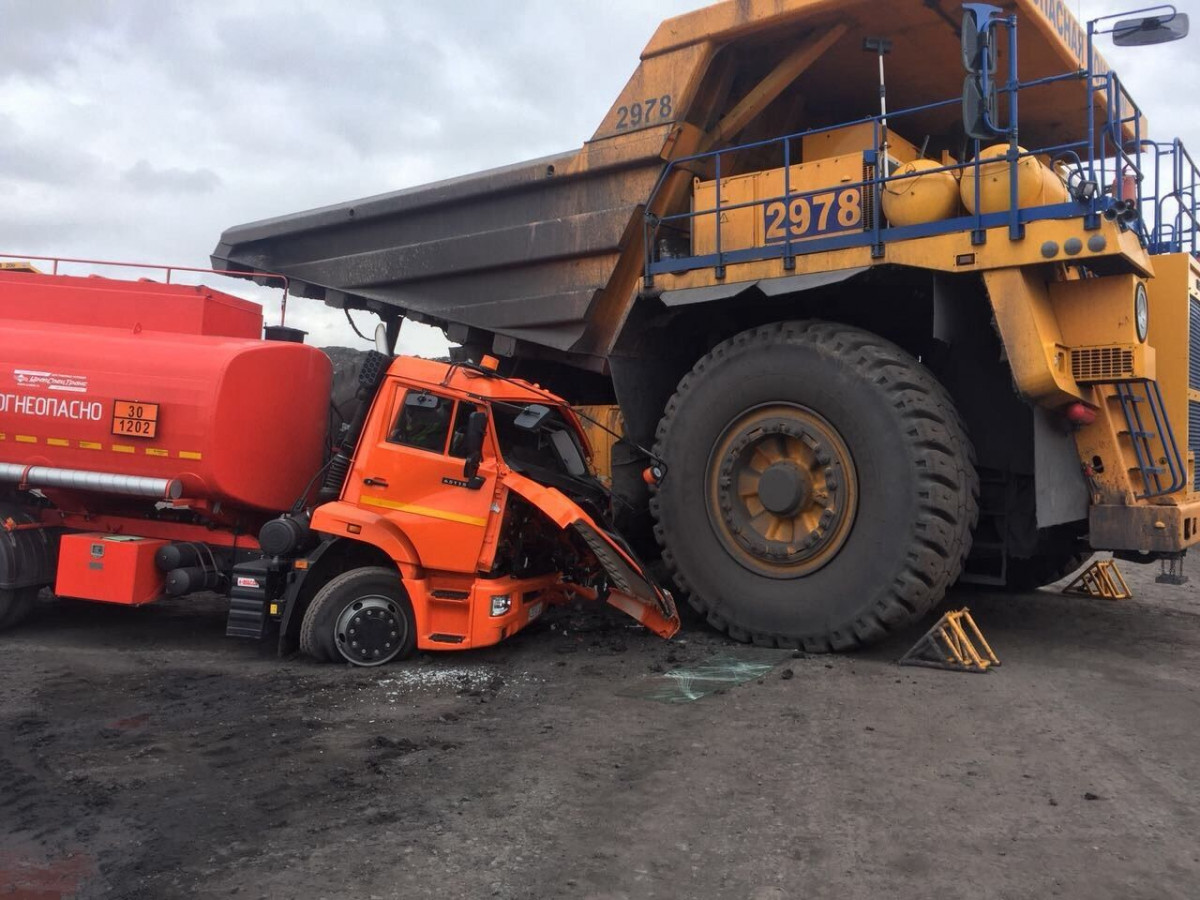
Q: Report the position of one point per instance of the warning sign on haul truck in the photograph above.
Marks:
(132, 418)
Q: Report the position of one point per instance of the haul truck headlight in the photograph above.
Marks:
(501, 603)
(1141, 312)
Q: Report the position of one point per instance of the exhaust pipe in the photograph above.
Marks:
(99, 482)
(1123, 211)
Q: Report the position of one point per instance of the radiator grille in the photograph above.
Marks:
(1194, 346)
(1194, 428)
(1101, 363)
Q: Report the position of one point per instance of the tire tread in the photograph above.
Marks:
(315, 641)
(938, 447)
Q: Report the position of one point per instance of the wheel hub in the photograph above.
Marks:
(782, 490)
(370, 631)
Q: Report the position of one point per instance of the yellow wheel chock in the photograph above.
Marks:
(1101, 579)
(955, 643)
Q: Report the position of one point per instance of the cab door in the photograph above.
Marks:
(409, 466)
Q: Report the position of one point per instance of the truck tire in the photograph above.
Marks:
(1023, 575)
(820, 488)
(363, 617)
(16, 606)
(347, 363)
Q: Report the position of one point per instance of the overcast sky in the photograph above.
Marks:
(140, 129)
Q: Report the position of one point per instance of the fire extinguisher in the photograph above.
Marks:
(1126, 187)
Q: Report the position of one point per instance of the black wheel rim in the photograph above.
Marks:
(371, 631)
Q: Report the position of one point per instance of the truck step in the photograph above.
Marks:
(247, 618)
(987, 564)
(1159, 461)
(249, 600)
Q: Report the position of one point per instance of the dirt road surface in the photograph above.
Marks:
(144, 755)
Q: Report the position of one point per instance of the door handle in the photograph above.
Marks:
(375, 482)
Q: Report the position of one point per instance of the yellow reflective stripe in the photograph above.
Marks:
(93, 445)
(423, 511)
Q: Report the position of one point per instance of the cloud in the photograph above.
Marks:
(145, 177)
(40, 42)
(142, 129)
(40, 159)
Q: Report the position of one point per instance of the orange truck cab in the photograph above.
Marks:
(477, 490)
(153, 444)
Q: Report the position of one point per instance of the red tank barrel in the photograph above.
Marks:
(104, 382)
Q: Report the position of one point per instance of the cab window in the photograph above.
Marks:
(458, 436)
(423, 421)
(552, 448)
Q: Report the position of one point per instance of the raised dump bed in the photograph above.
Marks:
(551, 251)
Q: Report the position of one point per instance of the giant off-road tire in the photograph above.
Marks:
(820, 488)
(347, 364)
(1030, 574)
(16, 606)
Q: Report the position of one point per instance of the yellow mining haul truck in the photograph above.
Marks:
(871, 331)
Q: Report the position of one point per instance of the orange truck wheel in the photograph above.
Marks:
(363, 617)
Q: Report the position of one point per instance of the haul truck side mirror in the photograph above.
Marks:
(1156, 25)
(978, 44)
(980, 93)
(1157, 29)
(476, 429)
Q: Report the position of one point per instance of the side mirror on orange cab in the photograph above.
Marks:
(476, 430)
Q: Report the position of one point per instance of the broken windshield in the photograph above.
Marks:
(552, 447)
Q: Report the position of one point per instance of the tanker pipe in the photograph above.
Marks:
(99, 482)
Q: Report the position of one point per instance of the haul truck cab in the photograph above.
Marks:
(152, 444)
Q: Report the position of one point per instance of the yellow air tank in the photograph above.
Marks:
(1037, 184)
(930, 197)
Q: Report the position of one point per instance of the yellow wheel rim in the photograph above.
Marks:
(782, 490)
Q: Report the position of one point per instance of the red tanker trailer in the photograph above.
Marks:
(152, 444)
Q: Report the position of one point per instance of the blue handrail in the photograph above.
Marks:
(1167, 220)
(1157, 452)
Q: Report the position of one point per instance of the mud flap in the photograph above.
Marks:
(631, 589)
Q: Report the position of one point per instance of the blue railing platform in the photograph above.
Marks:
(1113, 171)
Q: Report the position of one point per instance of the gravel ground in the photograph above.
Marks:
(142, 754)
